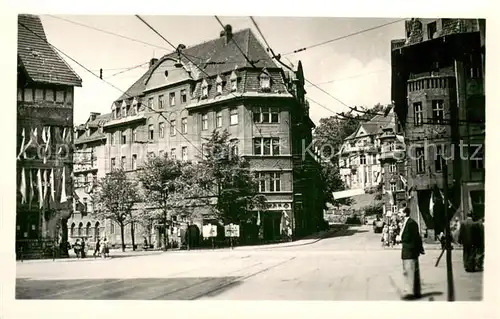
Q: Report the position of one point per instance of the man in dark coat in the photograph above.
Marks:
(411, 250)
(468, 238)
(480, 247)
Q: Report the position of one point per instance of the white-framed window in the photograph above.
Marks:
(362, 160)
(265, 81)
(420, 155)
(162, 130)
(49, 95)
(123, 162)
(234, 147)
(204, 89)
(151, 131)
(134, 135)
(392, 168)
(113, 163)
(438, 111)
(261, 182)
(218, 121)
(204, 121)
(112, 139)
(150, 103)
(233, 80)
(124, 111)
(233, 116)
(134, 161)
(476, 157)
(173, 154)
(393, 187)
(173, 123)
(394, 209)
(124, 138)
(160, 101)
(266, 146)
(184, 153)
(275, 182)
(266, 115)
(171, 98)
(218, 85)
(439, 160)
(184, 125)
(418, 113)
(183, 96)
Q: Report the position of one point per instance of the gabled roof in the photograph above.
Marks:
(39, 60)
(214, 57)
(375, 125)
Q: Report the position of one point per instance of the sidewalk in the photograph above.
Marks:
(308, 240)
(113, 254)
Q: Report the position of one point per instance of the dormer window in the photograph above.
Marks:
(219, 85)
(265, 81)
(113, 111)
(233, 81)
(124, 111)
(135, 106)
(204, 89)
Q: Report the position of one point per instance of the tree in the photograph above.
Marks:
(159, 179)
(232, 181)
(115, 196)
(332, 182)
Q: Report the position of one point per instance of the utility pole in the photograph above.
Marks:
(449, 266)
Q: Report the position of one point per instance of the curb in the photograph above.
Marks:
(88, 259)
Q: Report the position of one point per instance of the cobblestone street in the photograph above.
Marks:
(348, 265)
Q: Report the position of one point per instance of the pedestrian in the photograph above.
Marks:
(104, 248)
(97, 248)
(412, 248)
(385, 235)
(145, 244)
(391, 235)
(77, 248)
(83, 248)
(480, 246)
(468, 238)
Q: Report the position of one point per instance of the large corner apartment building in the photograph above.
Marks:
(438, 91)
(45, 91)
(184, 96)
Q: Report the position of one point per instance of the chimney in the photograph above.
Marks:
(227, 33)
(152, 62)
(94, 115)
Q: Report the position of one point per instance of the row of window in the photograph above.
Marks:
(437, 113)
(172, 100)
(438, 83)
(49, 95)
(475, 158)
(268, 182)
(123, 160)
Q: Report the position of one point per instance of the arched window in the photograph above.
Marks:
(80, 228)
(97, 231)
(87, 229)
(72, 230)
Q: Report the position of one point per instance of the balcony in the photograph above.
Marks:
(345, 171)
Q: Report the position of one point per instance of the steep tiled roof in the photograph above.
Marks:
(100, 120)
(40, 61)
(214, 57)
(375, 125)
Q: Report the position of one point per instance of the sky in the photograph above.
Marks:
(355, 70)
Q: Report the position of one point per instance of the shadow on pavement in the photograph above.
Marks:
(182, 288)
(348, 231)
(426, 295)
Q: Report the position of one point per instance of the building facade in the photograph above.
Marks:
(438, 91)
(184, 97)
(45, 102)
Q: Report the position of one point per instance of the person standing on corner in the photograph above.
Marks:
(467, 237)
(412, 248)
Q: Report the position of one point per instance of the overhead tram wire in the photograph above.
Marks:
(278, 58)
(343, 37)
(107, 82)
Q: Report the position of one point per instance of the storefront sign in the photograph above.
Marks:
(209, 231)
(232, 230)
